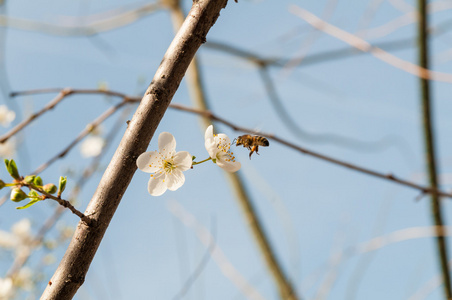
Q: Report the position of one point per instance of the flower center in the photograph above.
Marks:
(168, 165)
(224, 153)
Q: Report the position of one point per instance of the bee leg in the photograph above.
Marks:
(253, 149)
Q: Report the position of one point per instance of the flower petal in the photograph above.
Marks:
(209, 133)
(157, 185)
(209, 143)
(149, 162)
(229, 166)
(175, 180)
(183, 160)
(167, 143)
(211, 148)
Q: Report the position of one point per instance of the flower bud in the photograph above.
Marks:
(12, 168)
(29, 178)
(18, 195)
(50, 188)
(38, 181)
(2, 184)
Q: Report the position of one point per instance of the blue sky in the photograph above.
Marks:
(311, 210)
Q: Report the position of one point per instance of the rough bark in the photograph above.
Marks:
(72, 270)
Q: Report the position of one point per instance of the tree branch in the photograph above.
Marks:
(208, 114)
(72, 270)
(199, 99)
(96, 23)
(19, 261)
(364, 46)
(430, 156)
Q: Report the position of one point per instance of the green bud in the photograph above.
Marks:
(29, 178)
(2, 184)
(50, 188)
(18, 195)
(33, 194)
(62, 185)
(38, 181)
(12, 168)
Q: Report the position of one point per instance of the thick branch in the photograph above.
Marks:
(72, 270)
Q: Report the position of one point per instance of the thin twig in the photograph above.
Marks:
(218, 255)
(62, 202)
(201, 266)
(19, 261)
(100, 22)
(320, 57)
(62, 94)
(74, 265)
(423, 189)
(364, 46)
(198, 96)
(50, 222)
(429, 286)
(430, 155)
(321, 138)
(81, 135)
(382, 241)
(390, 177)
(309, 41)
(408, 18)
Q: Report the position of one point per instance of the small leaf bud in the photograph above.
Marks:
(38, 181)
(62, 185)
(12, 168)
(2, 184)
(29, 178)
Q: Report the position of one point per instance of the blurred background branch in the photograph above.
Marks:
(199, 100)
(430, 149)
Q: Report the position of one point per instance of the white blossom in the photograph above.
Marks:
(6, 116)
(19, 239)
(6, 288)
(24, 279)
(166, 165)
(218, 146)
(92, 146)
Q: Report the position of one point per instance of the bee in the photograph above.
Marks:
(252, 142)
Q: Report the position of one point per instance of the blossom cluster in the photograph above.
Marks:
(19, 241)
(167, 165)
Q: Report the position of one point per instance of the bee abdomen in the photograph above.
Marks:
(262, 141)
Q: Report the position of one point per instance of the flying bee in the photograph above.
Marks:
(252, 142)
